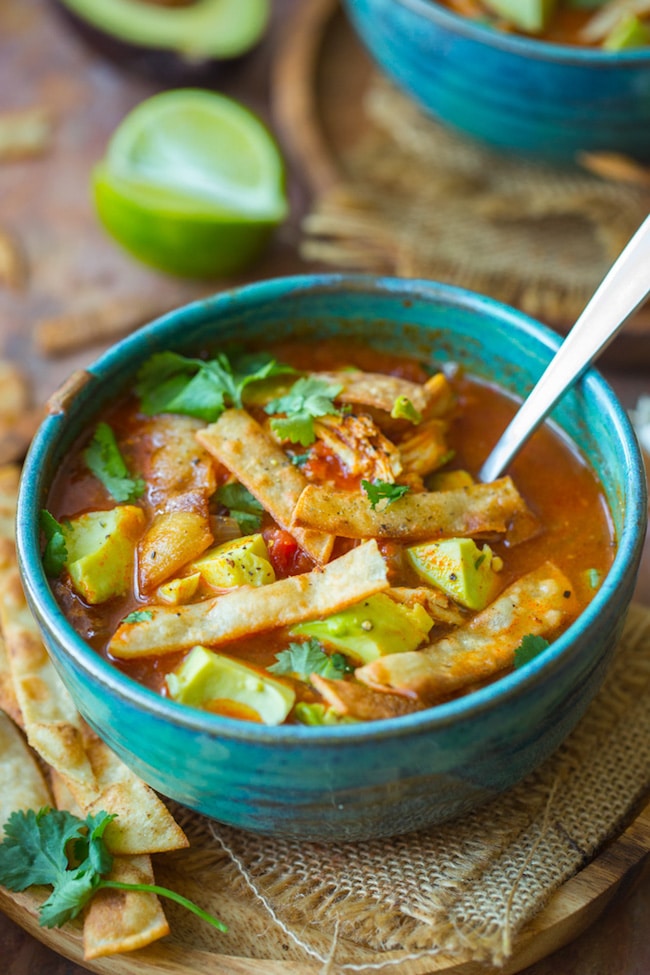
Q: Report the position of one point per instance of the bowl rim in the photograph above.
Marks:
(51, 618)
(529, 47)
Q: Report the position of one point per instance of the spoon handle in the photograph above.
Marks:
(622, 290)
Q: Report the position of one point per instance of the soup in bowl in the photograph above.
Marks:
(265, 568)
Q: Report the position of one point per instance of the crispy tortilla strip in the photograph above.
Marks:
(9, 480)
(13, 262)
(362, 702)
(52, 723)
(537, 603)
(143, 824)
(8, 700)
(377, 390)
(22, 785)
(24, 133)
(347, 580)
(103, 322)
(16, 435)
(240, 444)
(123, 920)
(437, 605)
(476, 510)
(172, 540)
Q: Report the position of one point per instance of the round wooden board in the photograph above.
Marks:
(610, 876)
(319, 79)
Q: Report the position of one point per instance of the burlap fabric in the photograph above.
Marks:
(417, 200)
(465, 889)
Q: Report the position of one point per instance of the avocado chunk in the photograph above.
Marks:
(101, 547)
(371, 629)
(206, 678)
(175, 44)
(457, 566)
(319, 714)
(531, 16)
(179, 591)
(629, 33)
(242, 562)
(449, 480)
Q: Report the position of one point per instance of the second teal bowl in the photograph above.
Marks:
(384, 777)
(517, 93)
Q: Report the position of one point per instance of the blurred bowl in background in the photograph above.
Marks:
(516, 93)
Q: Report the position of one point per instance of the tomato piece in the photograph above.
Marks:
(286, 556)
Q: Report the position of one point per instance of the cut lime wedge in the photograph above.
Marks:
(192, 182)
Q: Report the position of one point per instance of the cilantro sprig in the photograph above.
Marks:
(303, 659)
(56, 550)
(57, 849)
(203, 388)
(383, 491)
(104, 460)
(309, 397)
(530, 647)
(242, 506)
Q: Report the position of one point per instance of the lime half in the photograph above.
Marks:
(192, 183)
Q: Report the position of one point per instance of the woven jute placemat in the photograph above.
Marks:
(466, 887)
(418, 200)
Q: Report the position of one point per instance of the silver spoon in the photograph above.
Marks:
(622, 290)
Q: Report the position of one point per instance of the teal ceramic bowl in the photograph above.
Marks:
(389, 776)
(517, 93)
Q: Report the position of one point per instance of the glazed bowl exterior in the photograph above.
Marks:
(517, 93)
(390, 776)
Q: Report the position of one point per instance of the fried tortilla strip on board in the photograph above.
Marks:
(22, 785)
(114, 920)
(9, 479)
(240, 444)
(468, 511)
(535, 604)
(359, 573)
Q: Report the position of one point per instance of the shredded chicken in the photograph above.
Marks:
(360, 446)
(426, 448)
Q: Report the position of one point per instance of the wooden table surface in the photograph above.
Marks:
(73, 263)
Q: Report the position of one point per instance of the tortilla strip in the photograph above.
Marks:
(240, 444)
(362, 702)
(9, 479)
(468, 511)
(437, 605)
(359, 573)
(123, 920)
(376, 389)
(535, 604)
(22, 785)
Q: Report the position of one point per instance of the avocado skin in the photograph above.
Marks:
(162, 66)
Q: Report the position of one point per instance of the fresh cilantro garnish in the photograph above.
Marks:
(383, 491)
(62, 851)
(529, 648)
(479, 561)
(172, 383)
(138, 616)
(308, 397)
(242, 506)
(299, 459)
(56, 550)
(303, 659)
(104, 459)
(403, 409)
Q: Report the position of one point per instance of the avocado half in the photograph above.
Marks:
(174, 44)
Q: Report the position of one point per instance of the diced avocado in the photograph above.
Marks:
(205, 677)
(629, 33)
(179, 591)
(532, 16)
(318, 714)
(242, 562)
(370, 629)
(101, 546)
(459, 568)
(449, 480)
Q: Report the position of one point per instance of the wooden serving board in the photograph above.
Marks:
(321, 73)
(256, 946)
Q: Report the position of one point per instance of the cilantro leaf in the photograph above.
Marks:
(303, 659)
(383, 491)
(56, 550)
(242, 506)
(309, 397)
(69, 854)
(138, 616)
(104, 459)
(173, 383)
(529, 648)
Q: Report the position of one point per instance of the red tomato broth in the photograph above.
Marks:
(556, 483)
